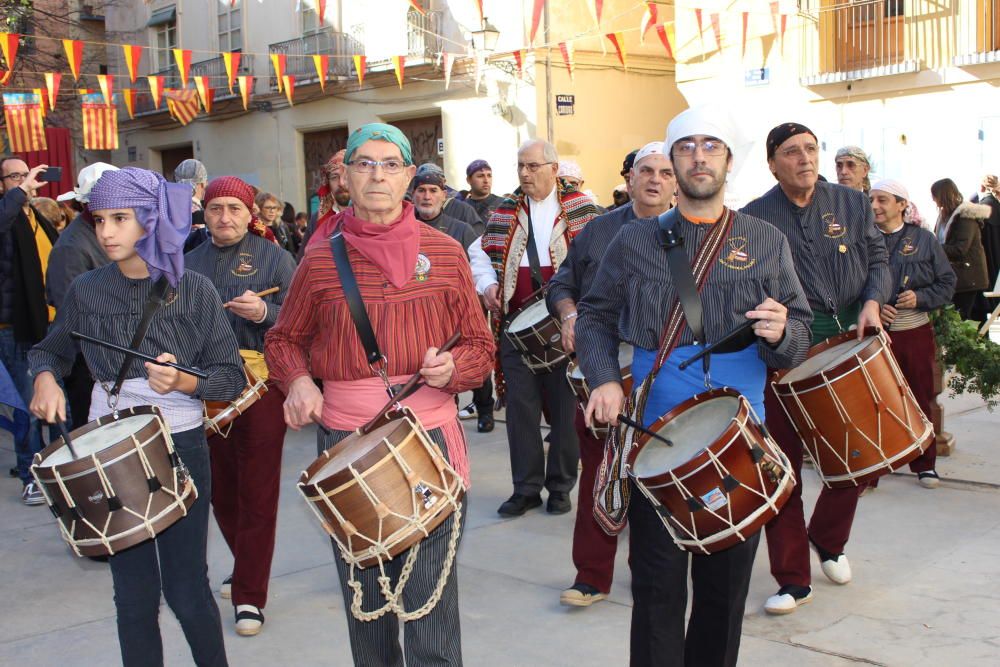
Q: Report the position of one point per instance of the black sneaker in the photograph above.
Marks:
(788, 599)
(559, 503)
(468, 412)
(518, 504)
(485, 424)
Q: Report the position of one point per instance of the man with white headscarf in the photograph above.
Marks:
(748, 275)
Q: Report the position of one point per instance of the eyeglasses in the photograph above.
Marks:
(390, 166)
(808, 150)
(17, 178)
(708, 147)
(532, 166)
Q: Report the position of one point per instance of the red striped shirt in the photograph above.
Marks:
(314, 334)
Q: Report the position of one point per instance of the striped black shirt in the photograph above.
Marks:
(632, 293)
(254, 264)
(839, 254)
(105, 304)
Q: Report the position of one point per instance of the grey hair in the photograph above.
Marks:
(191, 171)
(549, 153)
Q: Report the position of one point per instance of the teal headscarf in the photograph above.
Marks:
(379, 132)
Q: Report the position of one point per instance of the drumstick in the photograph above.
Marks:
(139, 355)
(639, 427)
(708, 349)
(64, 432)
(262, 293)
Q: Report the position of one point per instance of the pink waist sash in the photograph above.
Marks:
(350, 404)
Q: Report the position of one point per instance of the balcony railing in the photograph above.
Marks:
(857, 39)
(339, 46)
(215, 70)
(978, 33)
(144, 99)
(423, 43)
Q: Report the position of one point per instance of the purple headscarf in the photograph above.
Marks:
(163, 209)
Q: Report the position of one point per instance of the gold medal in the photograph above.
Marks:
(842, 248)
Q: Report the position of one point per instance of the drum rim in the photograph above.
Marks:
(319, 486)
(228, 408)
(870, 350)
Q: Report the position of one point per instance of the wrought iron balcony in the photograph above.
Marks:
(215, 70)
(423, 40)
(299, 63)
(978, 33)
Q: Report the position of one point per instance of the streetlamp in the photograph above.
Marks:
(485, 39)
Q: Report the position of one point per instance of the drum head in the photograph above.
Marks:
(826, 359)
(625, 352)
(691, 432)
(352, 448)
(98, 439)
(528, 317)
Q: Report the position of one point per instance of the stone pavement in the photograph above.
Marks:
(923, 590)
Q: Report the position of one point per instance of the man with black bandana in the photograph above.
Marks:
(633, 292)
(840, 259)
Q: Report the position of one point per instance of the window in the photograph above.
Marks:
(165, 39)
(230, 26)
(310, 19)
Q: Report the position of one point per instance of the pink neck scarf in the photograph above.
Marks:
(392, 248)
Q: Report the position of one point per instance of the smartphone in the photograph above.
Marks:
(51, 175)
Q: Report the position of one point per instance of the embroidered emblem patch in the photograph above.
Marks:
(907, 247)
(736, 257)
(831, 228)
(170, 297)
(245, 267)
(423, 267)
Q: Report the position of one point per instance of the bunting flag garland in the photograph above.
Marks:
(536, 18)
(206, 93)
(106, 84)
(8, 44)
(155, 89)
(246, 85)
(232, 62)
(322, 64)
(618, 41)
(566, 48)
(320, 11)
(84, 91)
(278, 62)
(42, 100)
(746, 22)
(289, 81)
(183, 59)
(25, 127)
(447, 61)
(519, 57)
(74, 56)
(360, 64)
(5, 77)
(716, 29)
(128, 94)
(100, 124)
(596, 8)
(182, 104)
(416, 5)
(701, 29)
(52, 80)
(133, 54)
(666, 34)
(399, 65)
(649, 18)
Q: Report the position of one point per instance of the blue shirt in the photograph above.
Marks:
(743, 371)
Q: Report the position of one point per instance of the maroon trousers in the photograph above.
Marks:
(593, 549)
(915, 350)
(246, 475)
(787, 536)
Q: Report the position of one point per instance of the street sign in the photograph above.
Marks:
(565, 104)
(759, 76)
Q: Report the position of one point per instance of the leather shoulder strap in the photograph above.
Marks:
(355, 303)
(532, 250)
(680, 273)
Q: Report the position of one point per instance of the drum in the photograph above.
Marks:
(379, 493)
(219, 415)
(578, 383)
(127, 486)
(722, 479)
(536, 335)
(853, 409)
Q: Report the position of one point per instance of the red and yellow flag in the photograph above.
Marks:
(322, 64)
(52, 80)
(649, 18)
(618, 41)
(232, 62)
(716, 28)
(106, 84)
(519, 57)
(278, 62)
(74, 56)
(360, 65)
(8, 44)
(665, 31)
(5, 77)
(182, 104)
(399, 65)
(128, 94)
(206, 93)
(42, 98)
(289, 81)
(536, 18)
(596, 8)
(25, 126)
(416, 5)
(479, 6)
(246, 87)
(566, 48)
(183, 59)
(321, 11)
(133, 54)
(100, 124)
(155, 89)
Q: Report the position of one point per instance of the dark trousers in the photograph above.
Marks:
(432, 641)
(246, 476)
(79, 385)
(830, 524)
(593, 549)
(719, 586)
(965, 303)
(173, 563)
(482, 397)
(525, 393)
(914, 350)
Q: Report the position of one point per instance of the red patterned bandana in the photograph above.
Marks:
(231, 186)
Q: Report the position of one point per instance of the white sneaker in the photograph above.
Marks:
(249, 620)
(837, 570)
(785, 603)
(226, 589)
(929, 479)
(468, 412)
(32, 495)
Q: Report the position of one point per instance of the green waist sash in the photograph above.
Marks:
(825, 325)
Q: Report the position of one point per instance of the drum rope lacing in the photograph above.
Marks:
(239, 406)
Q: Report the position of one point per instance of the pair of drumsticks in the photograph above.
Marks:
(262, 294)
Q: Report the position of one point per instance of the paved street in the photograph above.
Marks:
(924, 591)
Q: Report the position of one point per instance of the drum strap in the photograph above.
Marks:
(532, 250)
(157, 297)
(682, 278)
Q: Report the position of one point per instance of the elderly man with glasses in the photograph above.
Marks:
(527, 238)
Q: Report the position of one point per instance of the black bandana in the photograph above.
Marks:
(783, 133)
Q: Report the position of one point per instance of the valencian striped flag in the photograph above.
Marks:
(100, 123)
(25, 127)
(183, 104)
